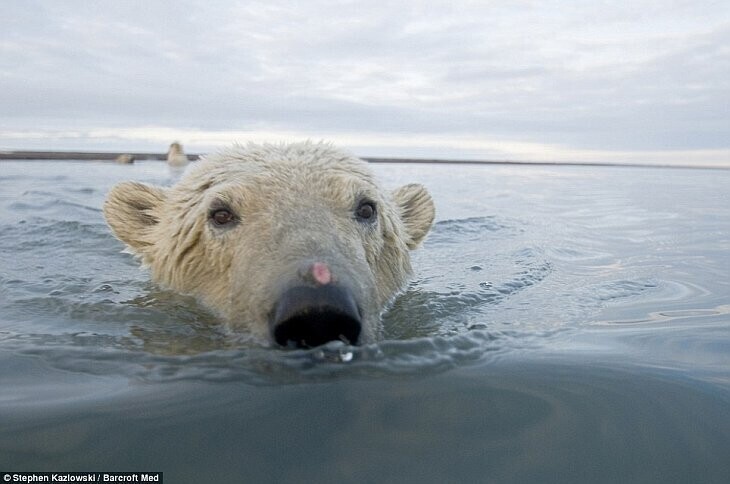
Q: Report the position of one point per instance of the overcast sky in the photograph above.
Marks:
(642, 81)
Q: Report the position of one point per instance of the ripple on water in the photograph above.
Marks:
(38, 232)
(57, 205)
(436, 305)
(669, 315)
(621, 289)
(471, 229)
(128, 356)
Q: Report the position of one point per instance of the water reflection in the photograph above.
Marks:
(527, 421)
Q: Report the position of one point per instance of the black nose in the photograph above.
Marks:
(305, 317)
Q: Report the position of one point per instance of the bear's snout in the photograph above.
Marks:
(307, 316)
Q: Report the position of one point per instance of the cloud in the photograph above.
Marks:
(640, 77)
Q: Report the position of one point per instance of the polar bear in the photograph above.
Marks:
(176, 157)
(297, 244)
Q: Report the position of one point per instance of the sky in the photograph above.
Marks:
(624, 81)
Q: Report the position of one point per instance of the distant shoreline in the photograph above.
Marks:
(28, 155)
(82, 155)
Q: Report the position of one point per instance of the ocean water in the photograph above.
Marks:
(564, 324)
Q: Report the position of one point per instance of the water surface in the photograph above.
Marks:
(565, 324)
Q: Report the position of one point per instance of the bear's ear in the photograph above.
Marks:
(131, 210)
(416, 211)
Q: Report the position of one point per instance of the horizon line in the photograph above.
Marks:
(106, 156)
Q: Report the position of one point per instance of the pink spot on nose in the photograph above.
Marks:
(321, 273)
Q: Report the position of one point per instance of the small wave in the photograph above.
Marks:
(84, 302)
(56, 204)
(64, 235)
(39, 225)
(436, 305)
(82, 191)
(36, 177)
(470, 229)
(669, 315)
(621, 289)
(125, 355)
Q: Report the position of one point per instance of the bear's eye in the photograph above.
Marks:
(365, 211)
(222, 216)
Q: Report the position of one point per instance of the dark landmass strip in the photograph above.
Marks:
(108, 156)
(82, 155)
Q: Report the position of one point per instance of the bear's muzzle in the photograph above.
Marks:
(308, 316)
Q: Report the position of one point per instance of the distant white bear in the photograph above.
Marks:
(176, 156)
